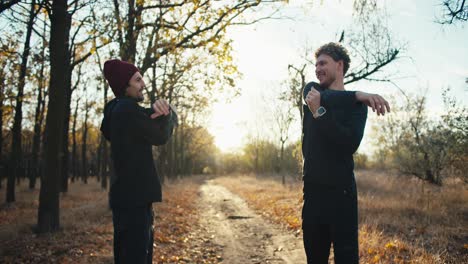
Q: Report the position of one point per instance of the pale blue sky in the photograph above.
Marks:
(439, 58)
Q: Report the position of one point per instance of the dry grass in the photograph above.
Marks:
(416, 222)
(399, 223)
(86, 235)
(177, 223)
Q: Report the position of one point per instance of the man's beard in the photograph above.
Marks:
(327, 82)
(140, 98)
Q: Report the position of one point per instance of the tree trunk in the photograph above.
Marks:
(2, 89)
(16, 152)
(171, 158)
(49, 210)
(99, 159)
(128, 47)
(66, 128)
(66, 121)
(105, 158)
(283, 178)
(83, 149)
(256, 158)
(74, 147)
(38, 120)
(181, 146)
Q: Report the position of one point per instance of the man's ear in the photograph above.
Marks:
(341, 66)
(126, 89)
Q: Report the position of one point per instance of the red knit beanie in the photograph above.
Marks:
(118, 73)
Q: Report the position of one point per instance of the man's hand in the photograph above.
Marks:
(161, 107)
(377, 102)
(313, 100)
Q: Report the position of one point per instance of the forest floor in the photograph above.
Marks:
(245, 219)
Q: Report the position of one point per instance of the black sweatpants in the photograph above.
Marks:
(133, 235)
(330, 215)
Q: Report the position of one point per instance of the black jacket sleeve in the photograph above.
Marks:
(347, 132)
(137, 121)
(331, 98)
(342, 99)
(154, 131)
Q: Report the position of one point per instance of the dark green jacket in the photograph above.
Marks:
(329, 142)
(132, 133)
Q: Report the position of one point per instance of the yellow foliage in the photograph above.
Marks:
(390, 245)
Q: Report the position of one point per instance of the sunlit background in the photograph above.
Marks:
(436, 58)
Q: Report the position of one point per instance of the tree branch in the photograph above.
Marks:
(4, 4)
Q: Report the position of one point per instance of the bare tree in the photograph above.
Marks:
(421, 147)
(372, 48)
(36, 164)
(195, 25)
(295, 83)
(8, 60)
(370, 44)
(177, 47)
(74, 142)
(84, 144)
(7, 4)
(49, 210)
(104, 157)
(16, 153)
(77, 54)
(453, 11)
(283, 119)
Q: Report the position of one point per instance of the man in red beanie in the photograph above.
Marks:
(132, 131)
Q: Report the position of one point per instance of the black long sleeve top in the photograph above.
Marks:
(329, 142)
(131, 132)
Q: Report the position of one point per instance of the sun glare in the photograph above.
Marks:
(226, 126)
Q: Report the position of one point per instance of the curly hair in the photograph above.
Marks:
(337, 52)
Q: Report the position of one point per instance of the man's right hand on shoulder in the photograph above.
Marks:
(160, 107)
(377, 102)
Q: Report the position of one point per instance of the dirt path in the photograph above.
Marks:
(241, 235)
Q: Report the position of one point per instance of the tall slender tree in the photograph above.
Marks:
(84, 143)
(69, 91)
(16, 153)
(76, 55)
(103, 167)
(39, 113)
(8, 60)
(2, 97)
(49, 210)
(74, 142)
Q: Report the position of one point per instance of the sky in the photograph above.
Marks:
(436, 57)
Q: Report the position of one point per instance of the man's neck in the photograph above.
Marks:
(337, 85)
(128, 97)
